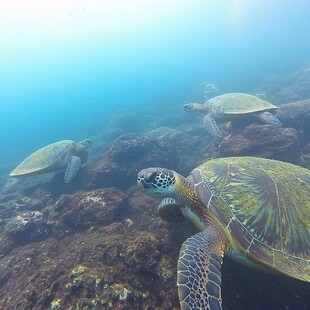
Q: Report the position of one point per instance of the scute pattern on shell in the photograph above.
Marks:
(265, 207)
(45, 158)
(238, 103)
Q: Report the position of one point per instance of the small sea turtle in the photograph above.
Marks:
(231, 105)
(254, 210)
(65, 154)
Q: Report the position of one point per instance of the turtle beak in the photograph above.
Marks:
(145, 186)
(141, 183)
(144, 180)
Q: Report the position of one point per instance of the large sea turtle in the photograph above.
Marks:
(254, 210)
(231, 105)
(65, 154)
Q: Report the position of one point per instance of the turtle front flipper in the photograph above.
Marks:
(170, 211)
(210, 125)
(73, 167)
(199, 271)
(268, 118)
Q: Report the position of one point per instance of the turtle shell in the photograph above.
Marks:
(238, 103)
(49, 158)
(264, 206)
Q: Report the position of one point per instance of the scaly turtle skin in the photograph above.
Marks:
(65, 154)
(254, 210)
(231, 105)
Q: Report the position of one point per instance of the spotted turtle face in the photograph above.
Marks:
(86, 143)
(188, 107)
(196, 107)
(156, 181)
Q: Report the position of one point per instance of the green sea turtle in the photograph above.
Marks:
(231, 105)
(65, 154)
(254, 210)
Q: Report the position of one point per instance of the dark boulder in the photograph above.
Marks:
(263, 141)
(28, 226)
(296, 115)
(94, 208)
(119, 163)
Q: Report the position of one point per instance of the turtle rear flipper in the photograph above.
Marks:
(268, 118)
(210, 125)
(10, 185)
(199, 271)
(72, 169)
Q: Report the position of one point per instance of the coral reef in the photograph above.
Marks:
(98, 243)
(106, 266)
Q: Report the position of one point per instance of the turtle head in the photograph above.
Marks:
(201, 107)
(157, 181)
(86, 143)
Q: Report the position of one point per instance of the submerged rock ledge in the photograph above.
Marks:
(98, 243)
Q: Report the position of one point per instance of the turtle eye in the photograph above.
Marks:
(150, 177)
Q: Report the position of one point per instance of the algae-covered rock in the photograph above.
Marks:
(118, 164)
(87, 245)
(28, 226)
(89, 270)
(98, 207)
(263, 141)
(297, 115)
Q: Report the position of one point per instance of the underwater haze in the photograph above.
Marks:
(67, 67)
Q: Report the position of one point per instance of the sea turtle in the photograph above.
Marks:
(254, 210)
(231, 105)
(65, 154)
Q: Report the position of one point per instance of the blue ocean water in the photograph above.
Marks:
(67, 66)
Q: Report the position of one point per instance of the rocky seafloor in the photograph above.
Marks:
(97, 243)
